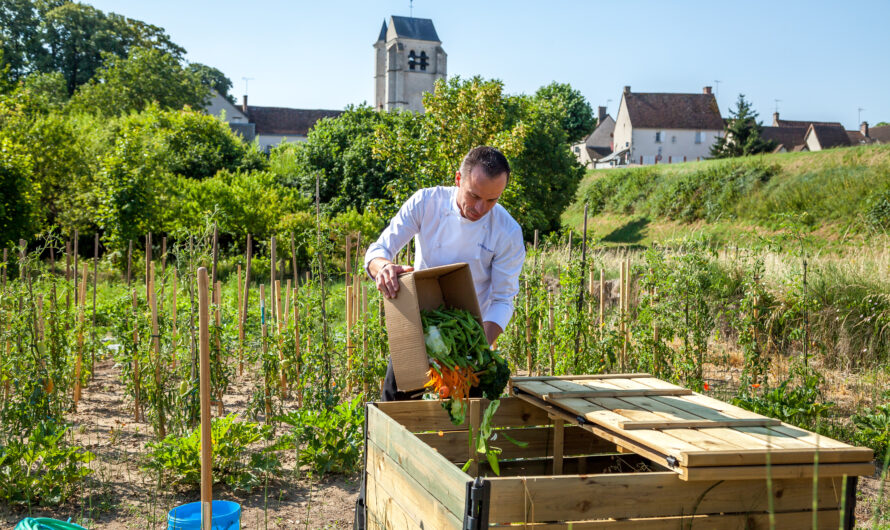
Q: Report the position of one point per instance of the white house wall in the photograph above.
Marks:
(268, 141)
(674, 146)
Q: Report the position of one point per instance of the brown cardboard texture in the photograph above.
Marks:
(448, 285)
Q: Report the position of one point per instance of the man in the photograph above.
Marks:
(463, 223)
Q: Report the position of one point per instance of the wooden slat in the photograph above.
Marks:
(589, 377)
(752, 457)
(826, 520)
(558, 445)
(424, 508)
(787, 471)
(595, 394)
(453, 444)
(698, 424)
(428, 415)
(574, 465)
(659, 494)
(430, 469)
(384, 511)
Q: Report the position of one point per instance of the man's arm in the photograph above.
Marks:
(505, 268)
(378, 258)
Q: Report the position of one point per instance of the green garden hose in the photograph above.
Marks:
(45, 523)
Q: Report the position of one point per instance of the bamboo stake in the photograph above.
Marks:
(206, 440)
(67, 276)
(156, 345)
(217, 296)
(147, 261)
(528, 331)
(656, 358)
(293, 257)
(136, 383)
(621, 296)
(161, 298)
(282, 376)
(266, 384)
(602, 299)
(297, 358)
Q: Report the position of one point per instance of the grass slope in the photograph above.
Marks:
(841, 195)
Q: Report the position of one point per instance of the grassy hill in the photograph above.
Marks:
(841, 196)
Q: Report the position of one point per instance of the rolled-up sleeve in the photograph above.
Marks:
(505, 269)
(400, 230)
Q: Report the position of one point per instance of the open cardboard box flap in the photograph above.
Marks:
(448, 285)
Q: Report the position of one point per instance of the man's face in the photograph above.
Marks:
(477, 193)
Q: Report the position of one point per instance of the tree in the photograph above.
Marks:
(741, 134)
(71, 38)
(576, 114)
(133, 83)
(881, 124)
(213, 79)
(19, 213)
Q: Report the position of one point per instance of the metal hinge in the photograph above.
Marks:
(476, 510)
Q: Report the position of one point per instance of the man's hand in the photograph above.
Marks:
(492, 331)
(386, 276)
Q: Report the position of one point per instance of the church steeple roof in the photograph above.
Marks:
(415, 28)
(382, 36)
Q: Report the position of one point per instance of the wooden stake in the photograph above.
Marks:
(297, 358)
(293, 257)
(266, 384)
(215, 253)
(282, 376)
(163, 270)
(621, 297)
(136, 383)
(76, 282)
(528, 331)
(206, 444)
(81, 310)
(217, 296)
(129, 262)
(656, 358)
(174, 331)
(602, 299)
(156, 345)
(364, 339)
(147, 261)
(273, 276)
(350, 300)
(245, 306)
(95, 279)
(552, 328)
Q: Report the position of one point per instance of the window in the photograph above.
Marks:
(577, 149)
(699, 137)
(658, 137)
(412, 60)
(424, 61)
(673, 139)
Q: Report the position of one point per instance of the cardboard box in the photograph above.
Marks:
(448, 285)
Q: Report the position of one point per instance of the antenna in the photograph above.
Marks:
(777, 104)
(411, 8)
(716, 88)
(246, 79)
(859, 117)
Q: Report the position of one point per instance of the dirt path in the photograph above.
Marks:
(119, 495)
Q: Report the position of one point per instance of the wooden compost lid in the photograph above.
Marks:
(700, 437)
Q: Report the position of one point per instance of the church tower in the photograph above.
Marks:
(409, 60)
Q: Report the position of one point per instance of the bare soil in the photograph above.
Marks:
(118, 495)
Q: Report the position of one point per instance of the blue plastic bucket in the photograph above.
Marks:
(226, 516)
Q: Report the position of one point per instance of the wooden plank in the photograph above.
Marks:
(383, 510)
(453, 444)
(428, 415)
(829, 455)
(558, 441)
(589, 377)
(658, 494)
(428, 468)
(573, 465)
(698, 424)
(826, 520)
(408, 493)
(595, 394)
(788, 471)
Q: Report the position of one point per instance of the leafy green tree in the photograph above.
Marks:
(741, 135)
(213, 79)
(19, 212)
(146, 76)
(576, 114)
(881, 124)
(340, 151)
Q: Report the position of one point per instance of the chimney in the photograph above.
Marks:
(706, 90)
(863, 128)
(775, 119)
(244, 105)
(601, 114)
(627, 89)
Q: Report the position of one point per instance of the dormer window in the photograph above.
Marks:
(412, 60)
(424, 61)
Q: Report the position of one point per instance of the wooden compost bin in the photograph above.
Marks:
(606, 451)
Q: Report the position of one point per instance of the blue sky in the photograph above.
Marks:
(823, 60)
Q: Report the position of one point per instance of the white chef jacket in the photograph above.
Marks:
(492, 246)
